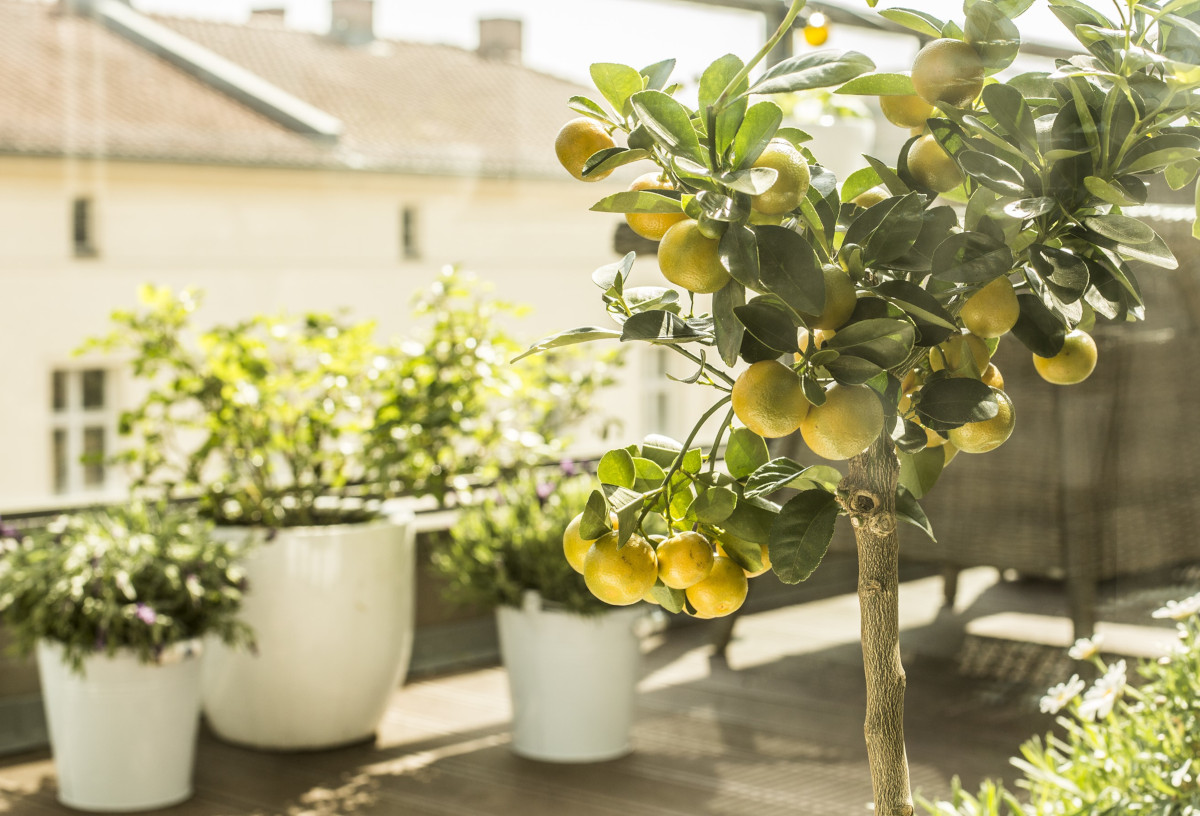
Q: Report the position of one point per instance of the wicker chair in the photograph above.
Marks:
(1099, 479)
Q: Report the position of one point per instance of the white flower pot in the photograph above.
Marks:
(332, 610)
(123, 735)
(573, 680)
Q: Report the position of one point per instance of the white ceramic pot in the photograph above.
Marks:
(555, 660)
(332, 610)
(123, 734)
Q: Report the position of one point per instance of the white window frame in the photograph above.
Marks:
(74, 421)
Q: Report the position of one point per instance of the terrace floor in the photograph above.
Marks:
(775, 728)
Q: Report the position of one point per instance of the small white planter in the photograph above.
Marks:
(332, 610)
(556, 659)
(123, 735)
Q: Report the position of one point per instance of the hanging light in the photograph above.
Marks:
(816, 29)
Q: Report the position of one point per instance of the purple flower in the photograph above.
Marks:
(544, 490)
(568, 467)
(146, 615)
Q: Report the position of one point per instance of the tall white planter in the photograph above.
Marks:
(332, 610)
(556, 659)
(123, 734)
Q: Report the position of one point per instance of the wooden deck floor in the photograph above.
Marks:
(776, 729)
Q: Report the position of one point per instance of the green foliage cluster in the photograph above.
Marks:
(1050, 161)
(294, 420)
(142, 577)
(510, 541)
(1123, 749)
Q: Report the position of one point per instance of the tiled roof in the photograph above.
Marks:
(69, 86)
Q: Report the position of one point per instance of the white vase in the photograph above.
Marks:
(573, 680)
(332, 610)
(123, 734)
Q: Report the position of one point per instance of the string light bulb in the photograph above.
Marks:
(816, 29)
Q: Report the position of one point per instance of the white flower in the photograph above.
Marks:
(1180, 775)
(1086, 648)
(246, 394)
(1179, 610)
(1058, 696)
(1099, 700)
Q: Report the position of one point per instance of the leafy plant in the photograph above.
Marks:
(141, 577)
(294, 420)
(1122, 748)
(511, 541)
(1044, 165)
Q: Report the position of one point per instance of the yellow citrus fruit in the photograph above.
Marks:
(577, 140)
(722, 592)
(950, 452)
(933, 439)
(948, 71)
(932, 166)
(993, 310)
(906, 110)
(652, 225)
(684, 559)
(1074, 364)
(962, 353)
(768, 399)
(575, 547)
(790, 186)
(992, 376)
(989, 434)
(840, 300)
(620, 576)
(871, 197)
(846, 425)
(689, 259)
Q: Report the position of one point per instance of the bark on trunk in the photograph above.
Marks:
(869, 496)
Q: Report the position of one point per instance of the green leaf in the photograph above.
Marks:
(932, 320)
(881, 84)
(822, 69)
(788, 267)
(752, 521)
(919, 471)
(782, 472)
(992, 35)
(670, 123)
(850, 370)
(713, 81)
(669, 599)
(992, 172)
(611, 277)
(769, 324)
(595, 521)
(859, 182)
(908, 509)
(758, 127)
(1064, 272)
(583, 334)
(1030, 207)
(746, 554)
(616, 83)
(659, 326)
(886, 342)
(658, 74)
(649, 474)
(745, 453)
(609, 159)
(713, 506)
(1007, 106)
(1159, 151)
(918, 21)
(971, 257)
(729, 330)
(954, 401)
(738, 252)
(1037, 327)
(1120, 228)
(1107, 191)
(801, 534)
(627, 504)
(581, 104)
(888, 230)
(639, 201)
(888, 176)
(661, 450)
(646, 298)
(617, 468)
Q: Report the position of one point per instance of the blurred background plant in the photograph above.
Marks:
(510, 541)
(1124, 748)
(143, 577)
(295, 420)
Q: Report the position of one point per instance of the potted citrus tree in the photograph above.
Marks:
(117, 604)
(559, 644)
(861, 312)
(261, 422)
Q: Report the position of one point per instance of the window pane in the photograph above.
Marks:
(93, 388)
(58, 388)
(61, 465)
(93, 457)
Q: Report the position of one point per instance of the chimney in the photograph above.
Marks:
(352, 22)
(500, 39)
(275, 12)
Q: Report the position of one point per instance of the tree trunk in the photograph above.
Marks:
(869, 496)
